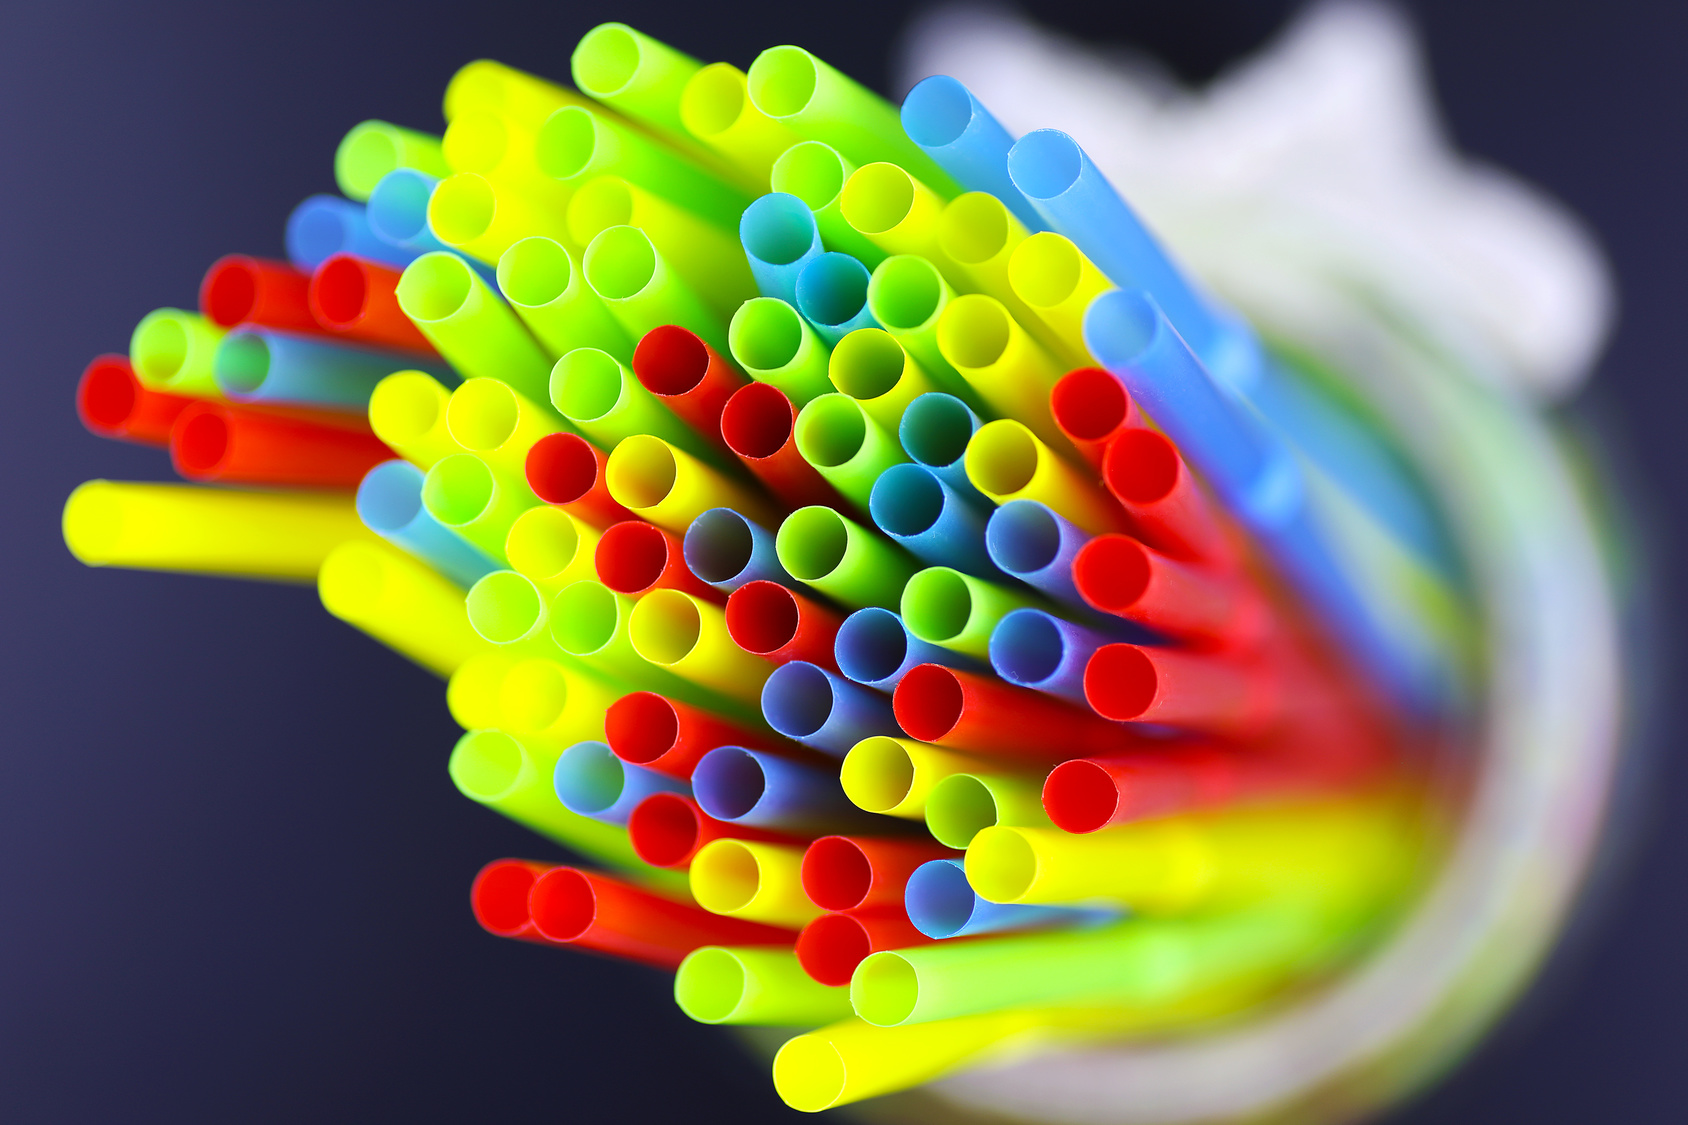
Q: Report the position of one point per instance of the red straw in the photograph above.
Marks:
(240, 289)
(757, 425)
(830, 947)
(499, 898)
(358, 300)
(1091, 793)
(1206, 692)
(590, 911)
(1091, 407)
(112, 403)
(1116, 574)
(233, 444)
(568, 471)
(769, 620)
(661, 734)
(938, 704)
(847, 872)
(666, 830)
(634, 557)
(690, 377)
(1148, 476)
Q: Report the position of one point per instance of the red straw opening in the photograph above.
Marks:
(1088, 403)
(664, 829)
(1119, 682)
(762, 617)
(108, 393)
(1141, 466)
(499, 897)
(670, 360)
(641, 727)
(928, 702)
(563, 904)
(340, 292)
(757, 421)
(631, 556)
(1111, 572)
(229, 293)
(836, 873)
(201, 440)
(1080, 796)
(561, 468)
(830, 948)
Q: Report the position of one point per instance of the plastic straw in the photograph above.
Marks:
(1091, 408)
(726, 550)
(634, 557)
(688, 636)
(551, 548)
(690, 378)
(930, 519)
(265, 366)
(503, 150)
(962, 805)
(471, 325)
(492, 87)
(893, 210)
(894, 776)
(547, 704)
(816, 173)
(372, 149)
(1029, 541)
(483, 217)
(596, 392)
(112, 403)
(633, 73)
(830, 947)
(808, 704)
(831, 293)
(1005, 367)
(357, 300)
(1198, 691)
(1057, 282)
(951, 126)
(592, 622)
(397, 215)
(780, 238)
(670, 736)
(766, 618)
(875, 648)
(871, 367)
(642, 290)
(325, 225)
(241, 289)
(1116, 574)
(943, 606)
(835, 434)
(667, 830)
(466, 495)
(174, 351)
(407, 412)
(506, 608)
(400, 601)
(756, 881)
(715, 109)
(757, 424)
(934, 432)
(978, 236)
(499, 898)
(671, 488)
(543, 283)
(760, 987)
(1006, 461)
(568, 471)
(1033, 649)
(592, 781)
(218, 442)
(775, 345)
(908, 296)
(1090, 793)
(941, 904)
(841, 559)
(847, 872)
(1168, 510)
(958, 709)
(389, 502)
(768, 790)
(498, 424)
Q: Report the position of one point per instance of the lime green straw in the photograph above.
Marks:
(907, 296)
(407, 411)
(816, 173)
(371, 149)
(174, 350)
(642, 291)
(463, 492)
(775, 345)
(499, 424)
(542, 281)
(871, 367)
(715, 109)
(507, 608)
(635, 74)
(755, 984)
(943, 606)
(606, 402)
(470, 324)
(492, 87)
(502, 150)
(841, 558)
(483, 217)
(837, 436)
(963, 804)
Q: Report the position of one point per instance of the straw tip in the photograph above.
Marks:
(1120, 325)
(92, 521)
(809, 1074)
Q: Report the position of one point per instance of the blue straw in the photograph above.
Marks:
(942, 905)
(398, 214)
(267, 366)
(934, 432)
(912, 505)
(591, 781)
(950, 125)
(875, 649)
(832, 296)
(325, 225)
(390, 504)
(808, 704)
(726, 550)
(780, 237)
(1033, 649)
(1035, 545)
(762, 790)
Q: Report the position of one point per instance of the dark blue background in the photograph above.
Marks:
(233, 872)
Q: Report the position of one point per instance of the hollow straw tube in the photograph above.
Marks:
(757, 424)
(894, 776)
(968, 712)
(1004, 366)
(928, 517)
(831, 946)
(816, 173)
(689, 377)
(952, 127)
(1006, 461)
(219, 442)
(893, 210)
(943, 606)
(389, 501)
(752, 880)
(755, 986)
(482, 217)
(875, 648)
(499, 898)
(835, 434)
(111, 402)
(325, 225)
(1198, 691)
(633, 73)
(543, 283)
(962, 805)
(492, 87)
(600, 396)
(498, 424)
(816, 101)
(642, 290)
(872, 368)
(775, 345)
(671, 736)
(506, 608)
(589, 621)
(934, 432)
(780, 239)
(551, 548)
(941, 904)
(726, 550)
(1116, 574)
(372, 149)
(464, 493)
(841, 559)
(357, 300)
(634, 557)
(766, 618)
(1092, 408)
(667, 830)
(715, 109)
(407, 412)
(593, 782)
(172, 350)
(1086, 794)
(241, 289)
(270, 367)
(551, 705)
(1054, 279)
(472, 692)
(908, 297)
(808, 704)
(568, 471)
(1030, 648)
(1031, 542)
(501, 149)
(831, 293)
(401, 602)
(778, 791)
(688, 636)
(470, 325)
(397, 213)
(669, 487)
(848, 872)
(1145, 473)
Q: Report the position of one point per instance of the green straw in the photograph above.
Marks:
(463, 492)
(775, 345)
(715, 109)
(543, 283)
(837, 436)
(816, 173)
(962, 804)
(841, 559)
(907, 296)
(943, 606)
(174, 350)
(635, 74)
(642, 291)
(758, 985)
(371, 149)
(506, 608)
(606, 402)
(471, 325)
(871, 367)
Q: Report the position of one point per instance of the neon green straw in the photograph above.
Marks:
(961, 805)
(1004, 365)
(642, 291)
(543, 283)
(836, 435)
(607, 403)
(816, 174)
(463, 492)
(841, 559)
(871, 367)
(633, 73)
(943, 606)
(715, 109)
(755, 984)
(907, 296)
(775, 345)
(490, 419)
(470, 324)
(507, 608)
(174, 350)
(502, 150)
(371, 149)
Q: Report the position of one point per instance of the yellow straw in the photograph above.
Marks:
(894, 211)
(752, 880)
(544, 701)
(483, 218)
(688, 636)
(401, 602)
(715, 108)
(471, 695)
(894, 776)
(1005, 366)
(671, 488)
(871, 367)
(551, 548)
(1057, 282)
(407, 411)
(488, 418)
(1006, 461)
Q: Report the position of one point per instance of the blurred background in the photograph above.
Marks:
(233, 871)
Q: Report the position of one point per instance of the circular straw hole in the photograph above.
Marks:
(906, 500)
(778, 229)
(457, 489)
(405, 406)
(1026, 647)
(811, 542)
(641, 727)
(830, 431)
(832, 289)
(728, 782)
(664, 829)
(757, 421)
(762, 617)
(928, 702)
(811, 171)
(1120, 682)
(606, 60)
(797, 699)
(713, 101)
(974, 228)
(1111, 572)
(367, 154)
(877, 774)
(242, 363)
(670, 360)
(871, 645)
(1044, 270)
(725, 876)
(884, 989)
(937, 111)
(1141, 467)
(398, 208)
(504, 607)
(584, 618)
(1079, 796)
(836, 873)
(475, 142)
(567, 143)
(107, 395)
(867, 363)
(1088, 403)
(481, 414)
(160, 347)
(641, 471)
(631, 557)
(533, 696)
(664, 626)
(710, 984)
(339, 292)
(939, 900)
(598, 205)
(543, 542)
(974, 331)
(589, 778)
(958, 808)
(1022, 537)
(935, 429)
(561, 468)
(499, 897)
(782, 81)
(905, 292)
(1002, 458)
(1044, 163)
(765, 334)
(434, 287)
(586, 385)
(390, 496)
(486, 764)
(620, 263)
(534, 272)
(461, 208)
(937, 604)
(200, 441)
(830, 948)
(718, 545)
(1001, 865)
(563, 903)
(877, 197)
(231, 291)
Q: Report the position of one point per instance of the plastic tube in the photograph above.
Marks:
(934, 432)
(766, 618)
(506, 608)
(357, 300)
(872, 368)
(502, 149)
(943, 606)
(498, 424)
(1116, 574)
(400, 601)
(544, 284)
(1086, 794)
(1005, 367)
(847, 872)
(841, 559)
(894, 776)
(726, 550)
(592, 781)
(492, 87)
(715, 109)
(470, 325)
(875, 648)
(688, 636)
(1006, 461)
(755, 986)
(172, 350)
(808, 704)
(575, 144)
(600, 396)
(831, 293)
(1144, 472)
(499, 898)
(752, 880)
(757, 424)
(372, 149)
(928, 517)
(830, 947)
(962, 805)
(633, 73)
(407, 412)
(778, 791)
(642, 290)
(217, 442)
(671, 736)
(568, 471)
(635, 557)
(550, 548)
(1029, 541)
(1054, 279)
(546, 703)
(667, 830)
(893, 210)
(112, 403)
(589, 621)
(835, 434)
(1092, 408)
(397, 213)
(941, 904)
(814, 100)
(1033, 649)
(269, 367)
(671, 488)
(908, 296)
(780, 238)
(1199, 691)
(241, 289)
(952, 127)
(464, 493)
(689, 377)
(389, 501)
(325, 225)
(958, 709)
(483, 218)
(775, 345)
(816, 173)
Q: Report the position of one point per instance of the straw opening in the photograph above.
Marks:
(563, 904)
(620, 263)
(482, 414)
(534, 272)
(878, 773)
(641, 727)
(665, 626)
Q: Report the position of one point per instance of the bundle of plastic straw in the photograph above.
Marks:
(926, 612)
